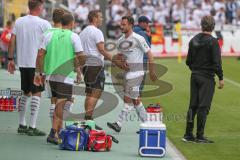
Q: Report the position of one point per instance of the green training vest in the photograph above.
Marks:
(60, 54)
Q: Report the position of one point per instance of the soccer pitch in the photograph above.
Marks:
(223, 121)
(222, 124)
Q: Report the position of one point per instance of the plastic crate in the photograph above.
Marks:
(9, 100)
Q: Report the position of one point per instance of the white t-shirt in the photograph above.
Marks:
(90, 37)
(206, 7)
(218, 5)
(197, 16)
(115, 9)
(133, 48)
(82, 12)
(219, 20)
(160, 15)
(72, 4)
(77, 46)
(191, 24)
(149, 10)
(28, 31)
(178, 13)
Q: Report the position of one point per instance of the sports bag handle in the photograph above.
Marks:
(93, 144)
(87, 127)
(114, 139)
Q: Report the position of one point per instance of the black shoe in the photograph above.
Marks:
(188, 138)
(98, 127)
(114, 126)
(52, 137)
(22, 129)
(203, 140)
(53, 140)
(35, 132)
(138, 132)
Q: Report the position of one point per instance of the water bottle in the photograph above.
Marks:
(1, 103)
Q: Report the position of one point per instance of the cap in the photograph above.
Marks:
(143, 19)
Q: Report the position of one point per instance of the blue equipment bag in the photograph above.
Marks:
(73, 138)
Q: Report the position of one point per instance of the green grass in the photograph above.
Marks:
(223, 121)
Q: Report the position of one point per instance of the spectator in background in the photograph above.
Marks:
(160, 15)
(148, 9)
(118, 17)
(218, 4)
(136, 7)
(167, 12)
(195, 2)
(143, 30)
(220, 18)
(206, 7)
(116, 7)
(5, 39)
(161, 10)
(231, 10)
(190, 5)
(198, 14)
(142, 27)
(191, 23)
(82, 12)
(178, 11)
(238, 17)
(156, 2)
(72, 5)
(93, 4)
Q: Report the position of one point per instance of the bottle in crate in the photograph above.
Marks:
(1, 103)
(154, 113)
(5, 104)
(11, 104)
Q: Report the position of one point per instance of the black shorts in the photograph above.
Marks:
(27, 77)
(61, 90)
(94, 78)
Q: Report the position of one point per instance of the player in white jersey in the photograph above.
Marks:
(133, 47)
(26, 35)
(93, 45)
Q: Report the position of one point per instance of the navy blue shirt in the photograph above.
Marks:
(139, 30)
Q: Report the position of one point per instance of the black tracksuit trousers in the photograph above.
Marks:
(202, 91)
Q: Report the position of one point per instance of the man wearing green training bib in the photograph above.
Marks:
(60, 53)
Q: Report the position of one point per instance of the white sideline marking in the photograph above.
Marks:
(174, 153)
(232, 82)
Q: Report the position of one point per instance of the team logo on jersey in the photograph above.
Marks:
(125, 45)
(145, 45)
